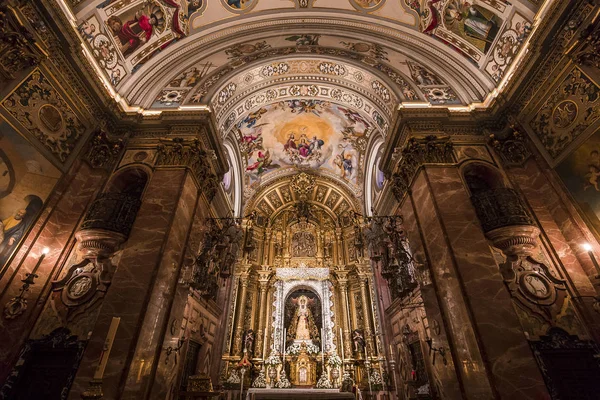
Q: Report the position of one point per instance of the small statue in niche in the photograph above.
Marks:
(359, 341)
(249, 341)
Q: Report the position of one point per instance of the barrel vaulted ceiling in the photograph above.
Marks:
(303, 83)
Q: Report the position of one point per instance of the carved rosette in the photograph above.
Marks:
(189, 153)
(416, 153)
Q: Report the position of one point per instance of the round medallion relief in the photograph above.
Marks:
(140, 156)
(79, 287)
(564, 114)
(50, 118)
(535, 285)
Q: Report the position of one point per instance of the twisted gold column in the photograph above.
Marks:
(367, 314)
(263, 280)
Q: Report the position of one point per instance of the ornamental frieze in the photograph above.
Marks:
(567, 113)
(41, 109)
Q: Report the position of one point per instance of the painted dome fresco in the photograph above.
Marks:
(301, 84)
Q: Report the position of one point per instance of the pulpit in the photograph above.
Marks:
(304, 369)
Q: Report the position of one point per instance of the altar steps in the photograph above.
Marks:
(298, 394)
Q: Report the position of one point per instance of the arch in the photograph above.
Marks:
(131, 180)
(480, 176)
(235, 165)
(370, 170)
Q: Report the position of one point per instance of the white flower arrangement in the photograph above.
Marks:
(334, 360)
(273, 360)
(294, 349)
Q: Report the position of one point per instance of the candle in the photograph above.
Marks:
(264, 354)
(44, 252)
(284, 337)
(110, 337)
(342, 343)
(323, 348)
(391, 352)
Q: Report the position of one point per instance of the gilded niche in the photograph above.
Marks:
(38, 106)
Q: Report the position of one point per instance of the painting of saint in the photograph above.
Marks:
(15, 227)
(580, 173)
(138, 30)
(26, 180)
(473, 23)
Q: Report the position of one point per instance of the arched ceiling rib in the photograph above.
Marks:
(140, 45)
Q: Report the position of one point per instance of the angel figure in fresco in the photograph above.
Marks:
(263, 160)
(593, 174)
(252, 141)
(253, 117)
(344, 162)
(302, 326)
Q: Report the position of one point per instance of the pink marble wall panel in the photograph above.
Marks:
(156, 320)
(54, 229)
(445, 374)
(168, 373)
(465, 350)
(565, 232)
(510, 363)
(131, 288)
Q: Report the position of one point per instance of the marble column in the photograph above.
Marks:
(143, 288)
(54, 228)
(495, 355)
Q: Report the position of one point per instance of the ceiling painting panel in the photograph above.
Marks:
(303, 134)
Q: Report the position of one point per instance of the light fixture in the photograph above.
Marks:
(588, 247)
(46, 250)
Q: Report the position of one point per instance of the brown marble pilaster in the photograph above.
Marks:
(565, 232)
(435, 308)
(54, 229)
(498, 350)
(142, 288)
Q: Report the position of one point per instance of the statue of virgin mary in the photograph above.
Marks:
(302, 327)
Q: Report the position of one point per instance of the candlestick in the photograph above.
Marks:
(264, 353)
(588, 247)
(323, 348)
(342, 344)
(108, 342)
(391, 352)
(44, 252)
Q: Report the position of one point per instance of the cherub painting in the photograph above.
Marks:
(580, 173)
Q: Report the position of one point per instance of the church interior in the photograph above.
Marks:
(300, 199)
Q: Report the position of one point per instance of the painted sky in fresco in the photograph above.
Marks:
(310, 134)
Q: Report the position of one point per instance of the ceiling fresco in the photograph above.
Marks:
(303, 134)
(167, 53)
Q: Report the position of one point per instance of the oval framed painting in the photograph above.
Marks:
(7, 175)
(367, 5)
(239, 6)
